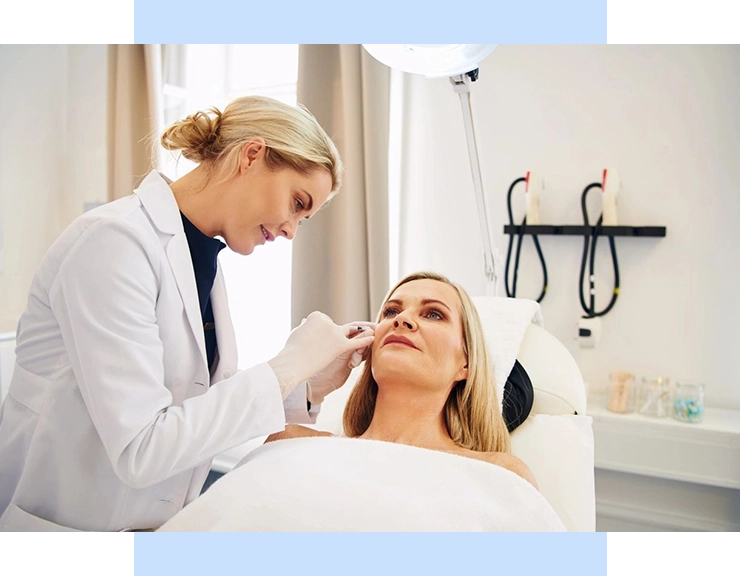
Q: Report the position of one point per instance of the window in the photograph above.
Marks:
(196, 77)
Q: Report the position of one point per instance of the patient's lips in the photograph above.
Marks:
(396, 339)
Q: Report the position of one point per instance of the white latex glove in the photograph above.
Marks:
(311, 347)
(335, 374)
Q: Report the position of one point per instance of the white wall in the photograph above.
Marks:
(667, 118)
(53, 131)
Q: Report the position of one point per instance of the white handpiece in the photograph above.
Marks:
(609, 190)
(533, 189)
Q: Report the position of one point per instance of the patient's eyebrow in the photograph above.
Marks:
(433, 301)
(424, 302)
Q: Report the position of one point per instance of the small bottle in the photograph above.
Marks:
(655, 397)
(688, 402)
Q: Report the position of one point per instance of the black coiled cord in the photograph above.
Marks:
(511, 291)
(590, 239)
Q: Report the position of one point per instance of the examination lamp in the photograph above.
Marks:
(459, 63)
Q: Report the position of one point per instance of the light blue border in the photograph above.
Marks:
(374, 554)
(380, 21)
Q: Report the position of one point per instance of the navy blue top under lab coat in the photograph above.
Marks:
(204, 254)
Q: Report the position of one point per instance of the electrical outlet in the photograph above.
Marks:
(589, 332)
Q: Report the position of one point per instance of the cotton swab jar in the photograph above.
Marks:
(655, 397)
(621, 392)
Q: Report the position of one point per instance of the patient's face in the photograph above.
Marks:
(420, 335)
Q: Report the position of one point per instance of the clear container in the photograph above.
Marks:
(688, 401)
(655, 397)
(622, 393)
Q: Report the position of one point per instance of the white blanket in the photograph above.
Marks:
(345, 484)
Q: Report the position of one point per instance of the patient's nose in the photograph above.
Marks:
(405, 320)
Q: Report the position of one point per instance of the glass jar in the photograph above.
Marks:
(621, 392)
(688, 401)
(655, 397)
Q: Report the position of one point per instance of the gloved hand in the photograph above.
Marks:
(311, 347)
(335, 374)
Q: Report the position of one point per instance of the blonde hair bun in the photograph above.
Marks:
(293, 137)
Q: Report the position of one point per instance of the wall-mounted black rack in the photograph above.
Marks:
(581, 230)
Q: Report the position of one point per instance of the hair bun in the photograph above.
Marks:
(196, 135)
(292, 136)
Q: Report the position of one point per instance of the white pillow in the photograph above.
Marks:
(556, 379)
(505, 322)
(560, 452)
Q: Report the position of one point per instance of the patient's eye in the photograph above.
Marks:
(435, 315)
(389, 312)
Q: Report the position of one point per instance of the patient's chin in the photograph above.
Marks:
(394, 367)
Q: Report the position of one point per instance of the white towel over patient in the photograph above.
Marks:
(345, 484)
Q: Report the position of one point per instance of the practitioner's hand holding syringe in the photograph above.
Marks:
(321, 353)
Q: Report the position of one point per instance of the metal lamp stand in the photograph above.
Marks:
(461, 85)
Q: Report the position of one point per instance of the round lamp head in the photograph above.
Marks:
(431, 60)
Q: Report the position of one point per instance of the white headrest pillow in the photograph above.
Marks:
(513, 331)
(556, 379)
(505, 321)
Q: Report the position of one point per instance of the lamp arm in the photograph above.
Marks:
(461, 85)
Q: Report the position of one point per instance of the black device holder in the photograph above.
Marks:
(588, 233)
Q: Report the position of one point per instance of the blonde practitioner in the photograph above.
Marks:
(126, 382)
(428, 379)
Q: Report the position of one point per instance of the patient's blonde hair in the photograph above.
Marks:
(293, 137)
(471, 413)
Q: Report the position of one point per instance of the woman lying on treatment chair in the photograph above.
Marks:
(423, 384)
(426, 446)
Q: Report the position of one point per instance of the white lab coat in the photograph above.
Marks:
(112, 418)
